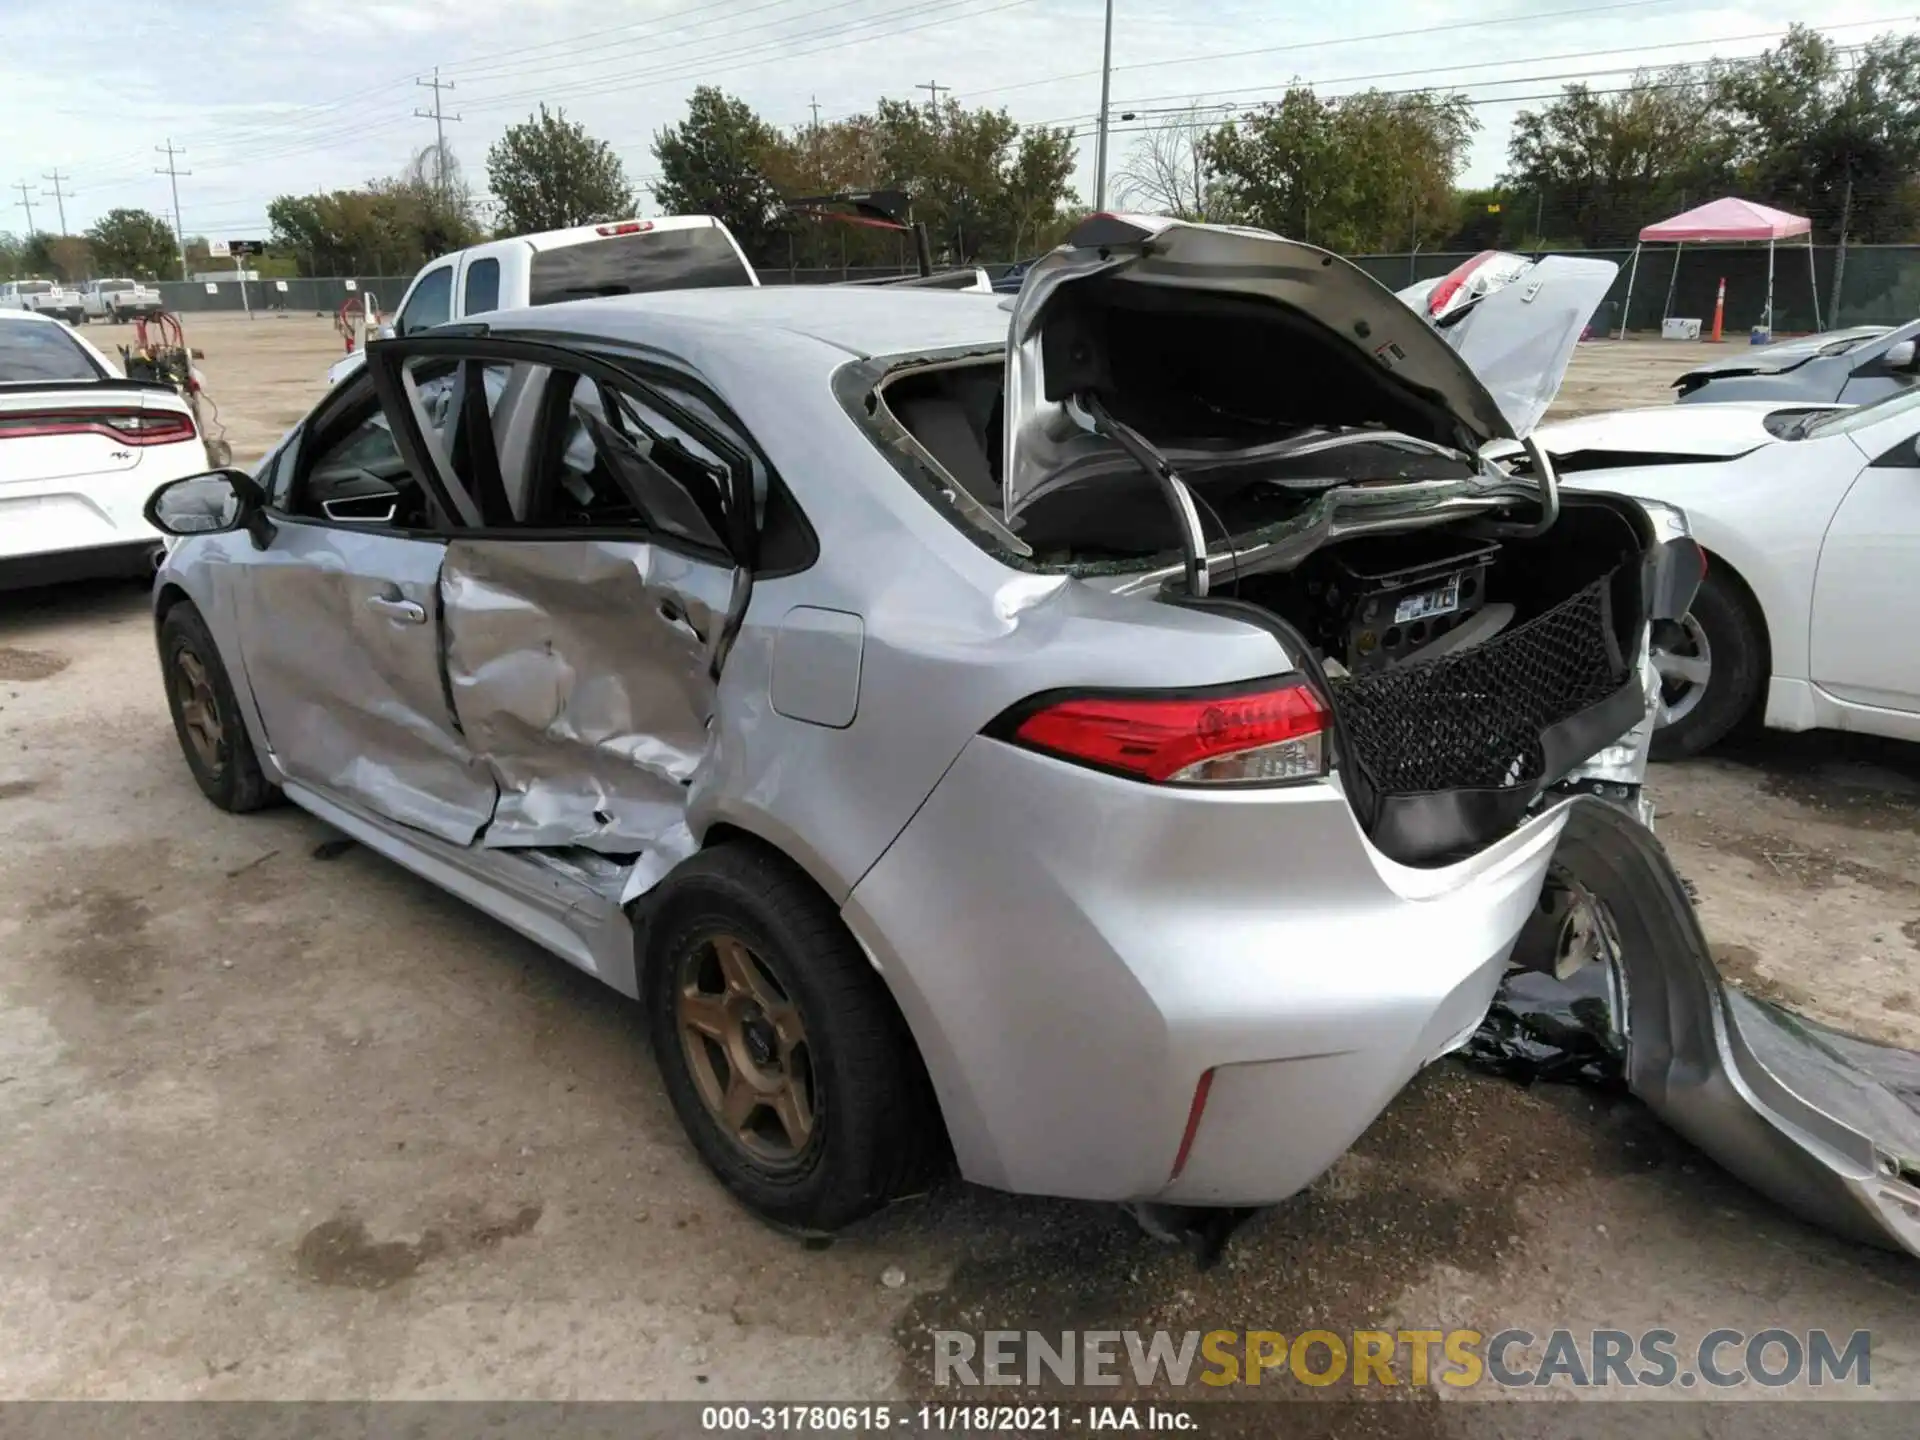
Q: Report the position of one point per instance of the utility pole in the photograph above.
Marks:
(1840, 250)
(26, 203)
(813, 104)
(439, 119)
(933, 95)
(59, 199)
(1100, 142)
(173, 173)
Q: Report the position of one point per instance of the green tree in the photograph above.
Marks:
(1356, 173)
(717, 162)
(12, 256)
(984, 187)
(57, 257)
(136, 244)
(1837, 142)
(1599, 167)
(548, 173)
(387, 227)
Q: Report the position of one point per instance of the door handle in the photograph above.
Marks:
(408, 612)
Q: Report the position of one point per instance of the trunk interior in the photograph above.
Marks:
(1467, 670)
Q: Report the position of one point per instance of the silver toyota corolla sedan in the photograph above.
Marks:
(1112, 735)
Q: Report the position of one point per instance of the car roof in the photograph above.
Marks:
(855, 320)
(31, 317)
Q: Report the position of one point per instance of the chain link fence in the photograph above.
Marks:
(320, 296)
(1880, 285)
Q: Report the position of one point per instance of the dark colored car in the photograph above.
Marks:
(1847, 367)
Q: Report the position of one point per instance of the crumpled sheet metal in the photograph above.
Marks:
(1825, 1123)
(580, 672)
(351, 701)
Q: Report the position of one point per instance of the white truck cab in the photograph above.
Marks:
(119, 299)
(46, 297)
(622, 257)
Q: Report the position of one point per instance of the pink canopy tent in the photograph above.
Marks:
(1728, 219)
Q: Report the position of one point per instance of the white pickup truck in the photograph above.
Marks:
(45, 297)
(118, 300)
(622, 257)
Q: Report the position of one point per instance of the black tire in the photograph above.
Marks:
(872, 1118)
(229, 776)
(1736, 638)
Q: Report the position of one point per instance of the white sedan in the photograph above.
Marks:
(1810, 516)
(81, 450)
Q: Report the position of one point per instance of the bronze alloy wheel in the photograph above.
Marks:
(746, 1050)
(199, 711)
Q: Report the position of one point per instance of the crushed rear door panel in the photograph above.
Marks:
(582, 673)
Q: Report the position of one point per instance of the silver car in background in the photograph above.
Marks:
(1113, 735)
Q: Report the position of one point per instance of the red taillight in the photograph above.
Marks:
(1194, 1112)
(624, 227)
(126, 427)
(1272, 734)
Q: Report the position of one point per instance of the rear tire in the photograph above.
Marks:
(812, 1015)
(206, 716)
(1724, 626)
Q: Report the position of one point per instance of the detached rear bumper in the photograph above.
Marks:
(1825, 1123)
(1074, 951)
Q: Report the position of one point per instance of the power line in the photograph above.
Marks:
(173, 174)
(1415, 32)
(756, 53)
(59, 197)
(439, 129)
(1138, 102)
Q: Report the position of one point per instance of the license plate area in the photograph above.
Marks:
(1441, 600)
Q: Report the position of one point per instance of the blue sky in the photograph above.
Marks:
(296, 95)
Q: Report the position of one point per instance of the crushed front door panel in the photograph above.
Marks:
(341, 633)
(581, 672)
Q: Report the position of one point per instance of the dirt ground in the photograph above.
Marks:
(286, 1122)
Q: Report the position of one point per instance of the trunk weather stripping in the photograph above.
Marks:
(1193, 540)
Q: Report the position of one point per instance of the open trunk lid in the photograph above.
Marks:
(1519, 334)
(1201, 337)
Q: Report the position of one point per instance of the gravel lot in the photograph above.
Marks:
(284, 1125)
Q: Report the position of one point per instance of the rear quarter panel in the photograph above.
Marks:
(951, 637)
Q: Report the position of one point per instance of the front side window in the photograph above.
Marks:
(431, 302)
(357, 475)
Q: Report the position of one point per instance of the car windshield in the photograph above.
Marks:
(1844, 422)
(37, 351)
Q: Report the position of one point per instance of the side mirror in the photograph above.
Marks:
(386, 332)
(1899, 357)
(208, 504)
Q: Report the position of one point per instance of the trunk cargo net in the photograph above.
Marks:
(1473, 720)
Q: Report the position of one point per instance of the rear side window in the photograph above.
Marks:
(631, 264)
(42, 352)
(482, 289)
(432, 302)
